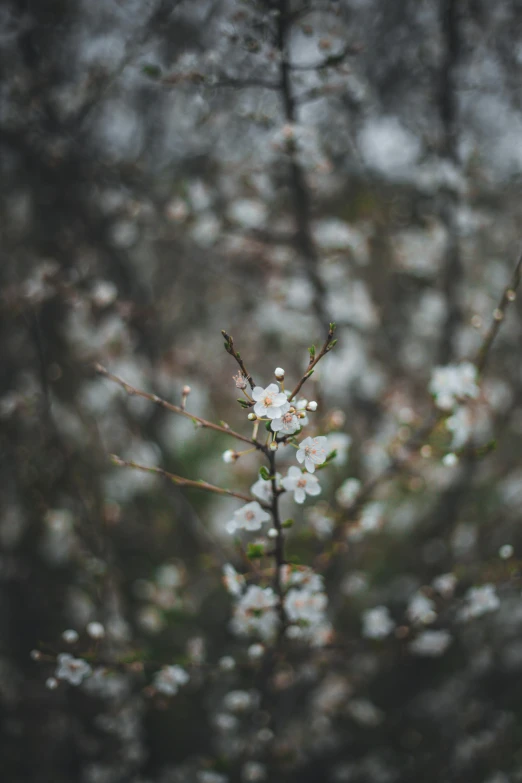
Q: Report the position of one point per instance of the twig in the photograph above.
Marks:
(178, 480)
(508, 296)
(132, 391)
(229, 348)
(315, 359)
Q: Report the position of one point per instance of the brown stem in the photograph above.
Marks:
(279, 547)
(179, 480)
(315, 359)
(229, 348)
(132, 391)
(499, 313)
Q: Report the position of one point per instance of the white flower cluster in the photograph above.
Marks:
(255, 613)
(72, 670)
(479, 601)
(305, 605)
(169, 678)
(377, 623)
(453, 383)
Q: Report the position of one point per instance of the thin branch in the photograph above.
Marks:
(229, 348)
(508, 296)
(315, 359)
(133, 392)
(179, 480)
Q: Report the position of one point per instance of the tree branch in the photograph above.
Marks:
(179, 480)
(176, 408)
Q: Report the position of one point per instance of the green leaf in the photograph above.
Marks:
(287, 523)
(311, 351)
(263, 472)
(255, 551)
(243, 403)
(153, 71)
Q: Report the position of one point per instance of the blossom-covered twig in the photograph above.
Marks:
(132, 391)
(315, 358)
(229, 348)
(179, 480)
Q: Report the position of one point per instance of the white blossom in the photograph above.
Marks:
(270, 402)
(250, 517)
(461, 425)
(227, 663)
(72, 670)
(233, 581)
(255, 613)
(95, 630)
(287, 423)
(421, 609)
(240, 701)
(301, 484)
(479, 601)
(169, 678)
(377, 623)
(303, 605)
(262, 488)
(312, 451)
(452, 383)
(506, 551)
(431, 643)
(445, 584)
(302, 576)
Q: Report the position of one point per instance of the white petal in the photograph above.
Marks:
(313, 488)
(276, 425)
(299, 495)
(301, 456)
(309, 465)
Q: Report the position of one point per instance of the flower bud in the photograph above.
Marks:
(272, 533)
(70, 636)
(186, 391)
(229, 456)
(251, 417)
(96, 630)
(273, 446)
(279, 373)
(312, 406)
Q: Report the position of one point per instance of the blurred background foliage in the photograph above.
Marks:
(171, 168)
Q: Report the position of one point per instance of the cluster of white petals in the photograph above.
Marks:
(233, 581)
(377, 623)
(305, 605)
(452, 383)
(255, 613)
(271, 403)
(169, 678)
(421, 610)
(479, 601)
(312, 451)
(301, 484)
(431, 643)
(263, 490)
(249, 517)
(288, 423)
(72, 670)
